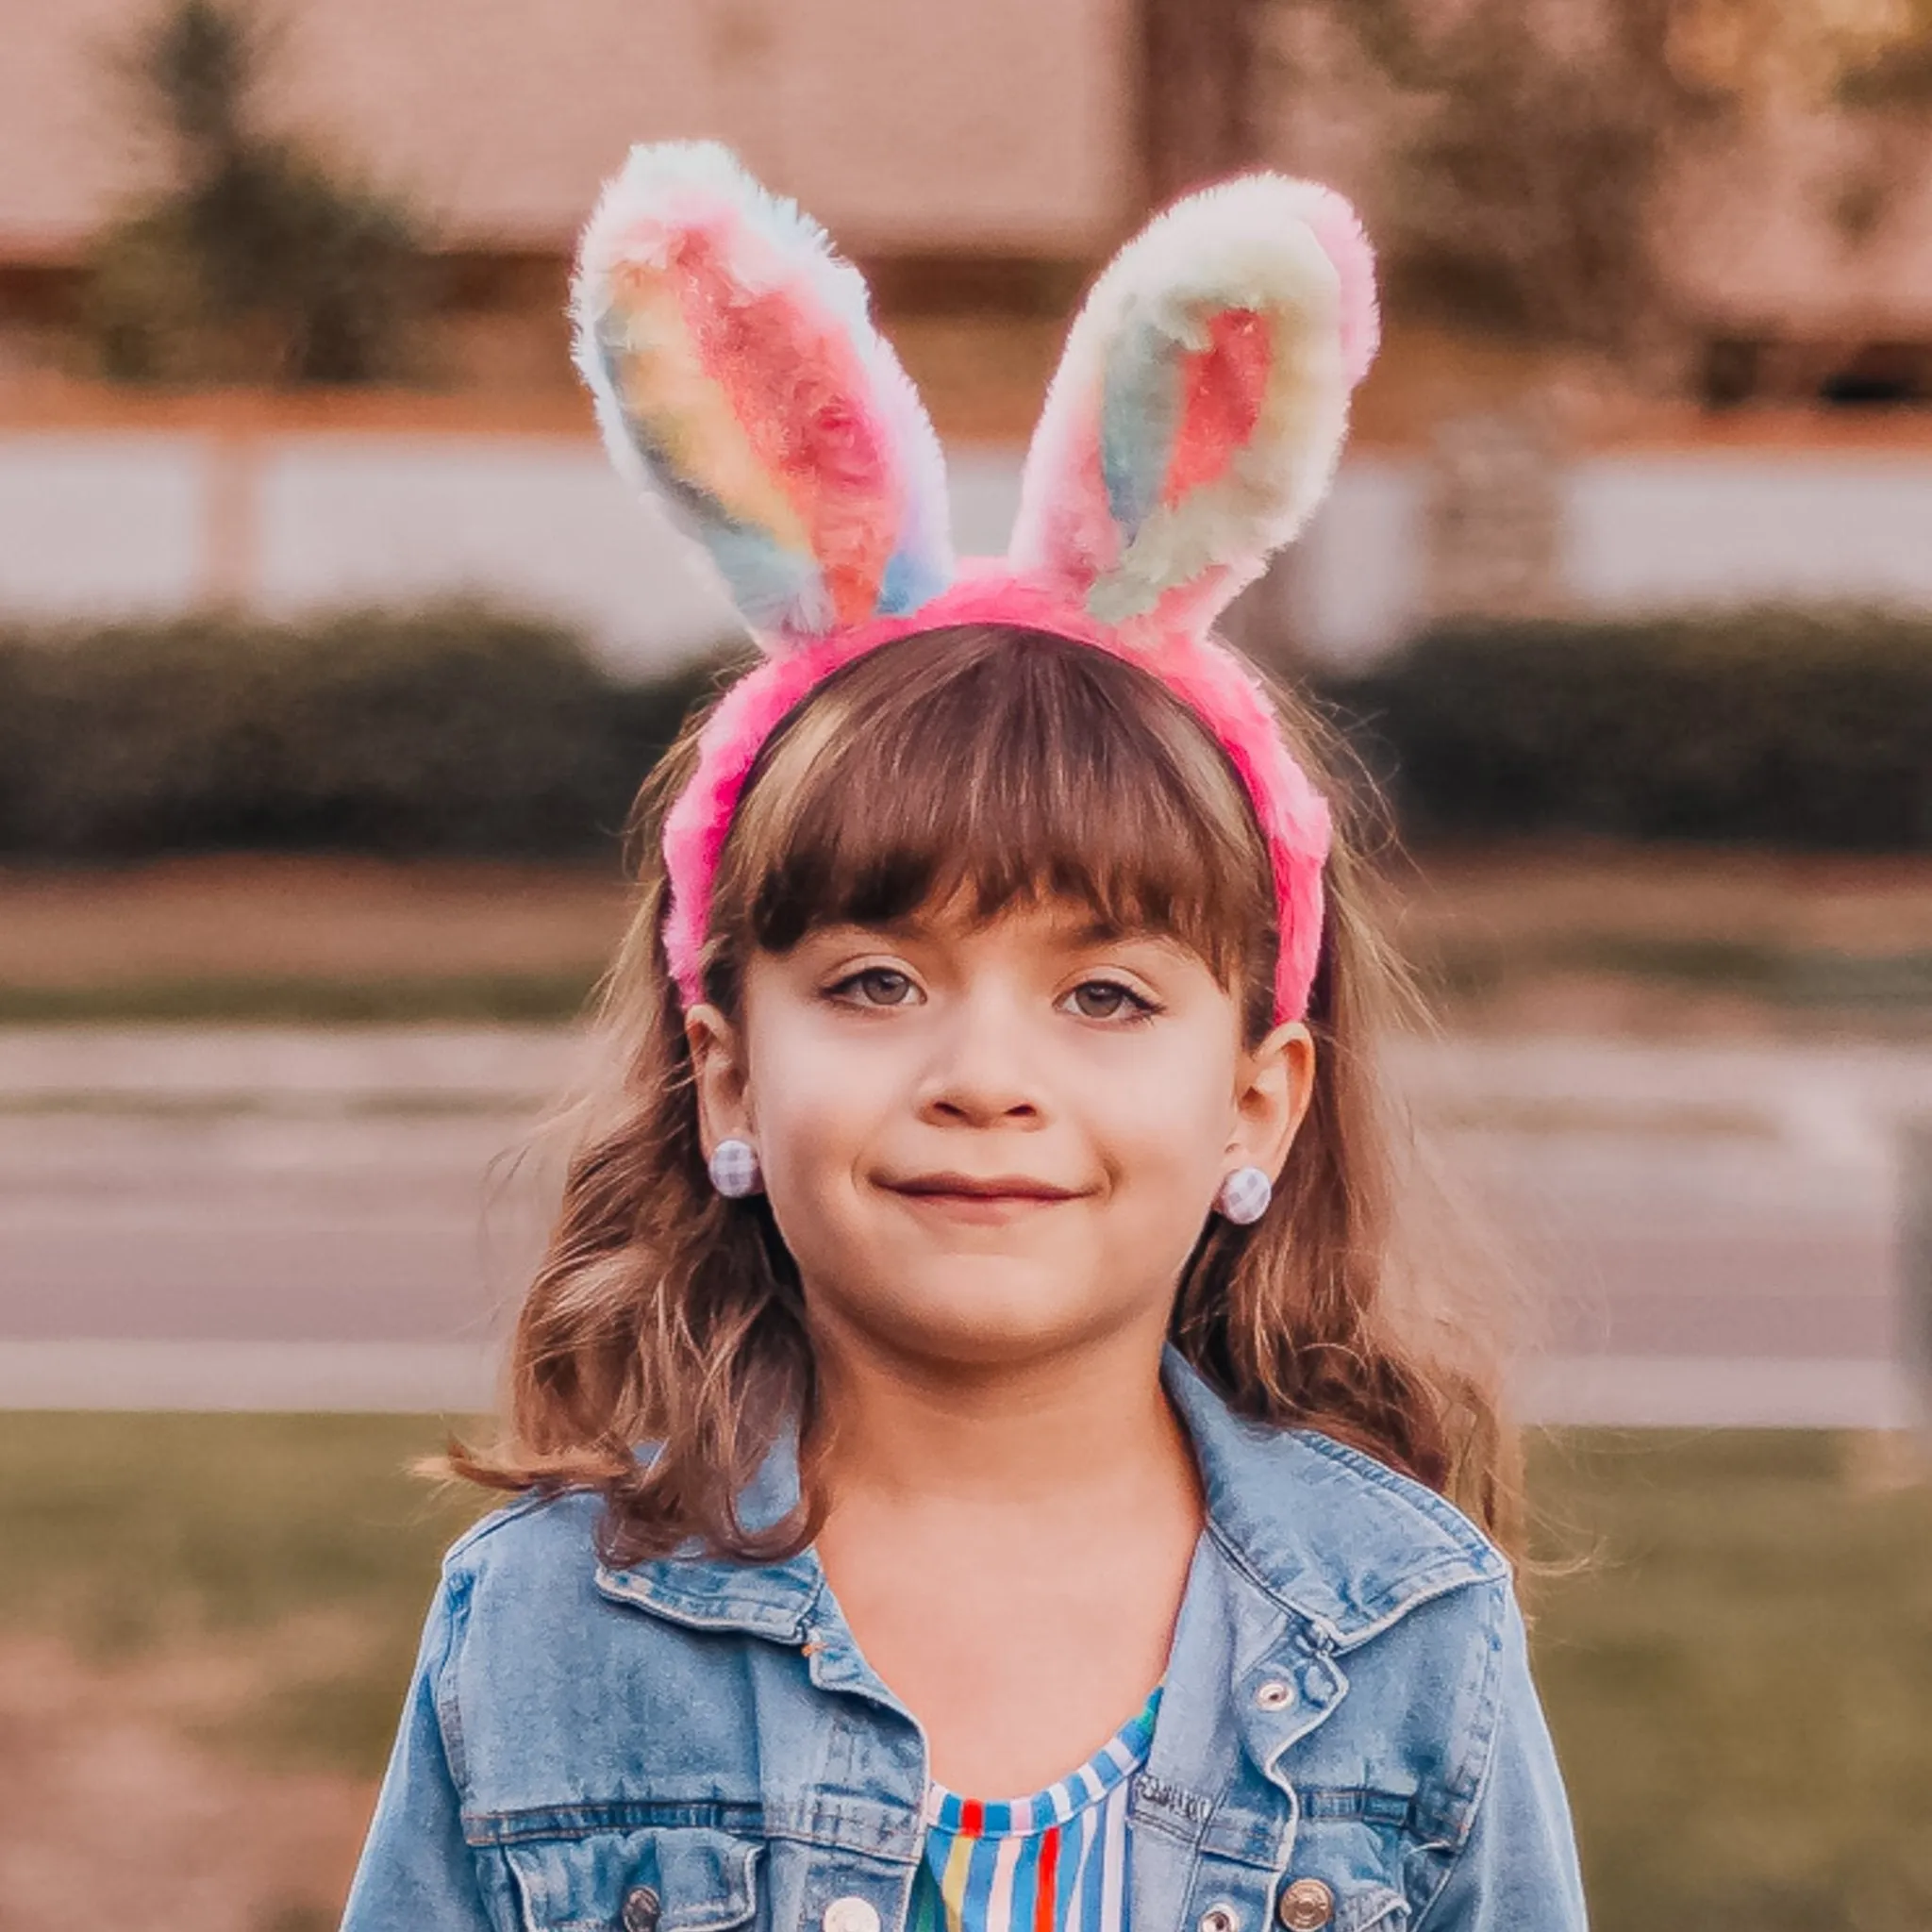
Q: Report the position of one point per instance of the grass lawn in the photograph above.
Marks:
(1741, 1682)
(1739, 1676)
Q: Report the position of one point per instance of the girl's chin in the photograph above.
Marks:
(986, 1324)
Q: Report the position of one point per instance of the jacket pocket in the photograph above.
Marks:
(661, 1879)
(1370, 1906)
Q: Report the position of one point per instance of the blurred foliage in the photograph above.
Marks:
(1531, 151)
(262, 261)
(1772, 55)
(453, 730)
(464, 731)
(1771, 726)
(1526, 173)
(1900, 77)
(1737, 1674)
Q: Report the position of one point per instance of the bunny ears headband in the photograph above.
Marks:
(1194, 423)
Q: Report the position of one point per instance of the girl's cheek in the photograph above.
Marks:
(826, 1092)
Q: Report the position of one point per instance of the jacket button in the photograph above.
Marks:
(853, 1914)
(1305, 1905)
(1218, 1919)
(640, 1909)
(1277, 1693)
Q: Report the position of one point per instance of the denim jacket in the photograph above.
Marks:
(1348, 1737)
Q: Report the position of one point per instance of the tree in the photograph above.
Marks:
(1204, 97)
(256, 263)
(1522, 193)
(1538, 141)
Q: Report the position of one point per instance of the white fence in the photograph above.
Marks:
(112, 521)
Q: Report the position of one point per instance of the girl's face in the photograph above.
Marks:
(986, 1142)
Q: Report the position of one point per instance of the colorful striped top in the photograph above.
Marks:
(1055, 1863)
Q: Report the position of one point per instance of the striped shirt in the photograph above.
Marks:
(1055, 1863)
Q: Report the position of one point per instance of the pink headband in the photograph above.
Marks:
(1194, 423)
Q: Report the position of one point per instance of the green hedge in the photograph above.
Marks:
(1771, 726)
(456, 730)
(462, 730)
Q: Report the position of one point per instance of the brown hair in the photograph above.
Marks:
(1007, 764)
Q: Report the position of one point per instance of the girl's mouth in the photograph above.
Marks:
(980, 1197)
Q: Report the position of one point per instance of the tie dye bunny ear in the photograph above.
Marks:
(737, 374)
(1199, 409)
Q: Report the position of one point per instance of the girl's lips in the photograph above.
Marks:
(990, 1199)
(1000, 1187)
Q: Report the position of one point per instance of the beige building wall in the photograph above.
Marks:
(999, 124)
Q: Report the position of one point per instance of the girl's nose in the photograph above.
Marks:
(981, 1073)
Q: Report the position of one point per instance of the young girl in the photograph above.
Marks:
(969, 1359)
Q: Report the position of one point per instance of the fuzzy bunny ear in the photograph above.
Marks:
(738, 373)
(1199, 409)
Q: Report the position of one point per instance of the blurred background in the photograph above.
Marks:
(331, 653)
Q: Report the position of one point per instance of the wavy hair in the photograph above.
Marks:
(1013, 765)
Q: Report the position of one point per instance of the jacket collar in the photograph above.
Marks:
(1329, 1533)
(710, 1593)
(1324, 1531)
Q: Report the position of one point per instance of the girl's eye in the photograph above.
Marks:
(877, 986)
(1106, 999)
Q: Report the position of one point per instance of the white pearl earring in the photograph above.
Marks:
(1245, 1195)
(735, 1169)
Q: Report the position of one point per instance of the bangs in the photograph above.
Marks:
(987, 767)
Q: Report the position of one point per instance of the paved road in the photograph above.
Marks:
(280, 1218)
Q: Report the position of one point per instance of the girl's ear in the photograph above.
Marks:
(738, 375)
(1277, 1084)
(1199, 409)
(719, 1078)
